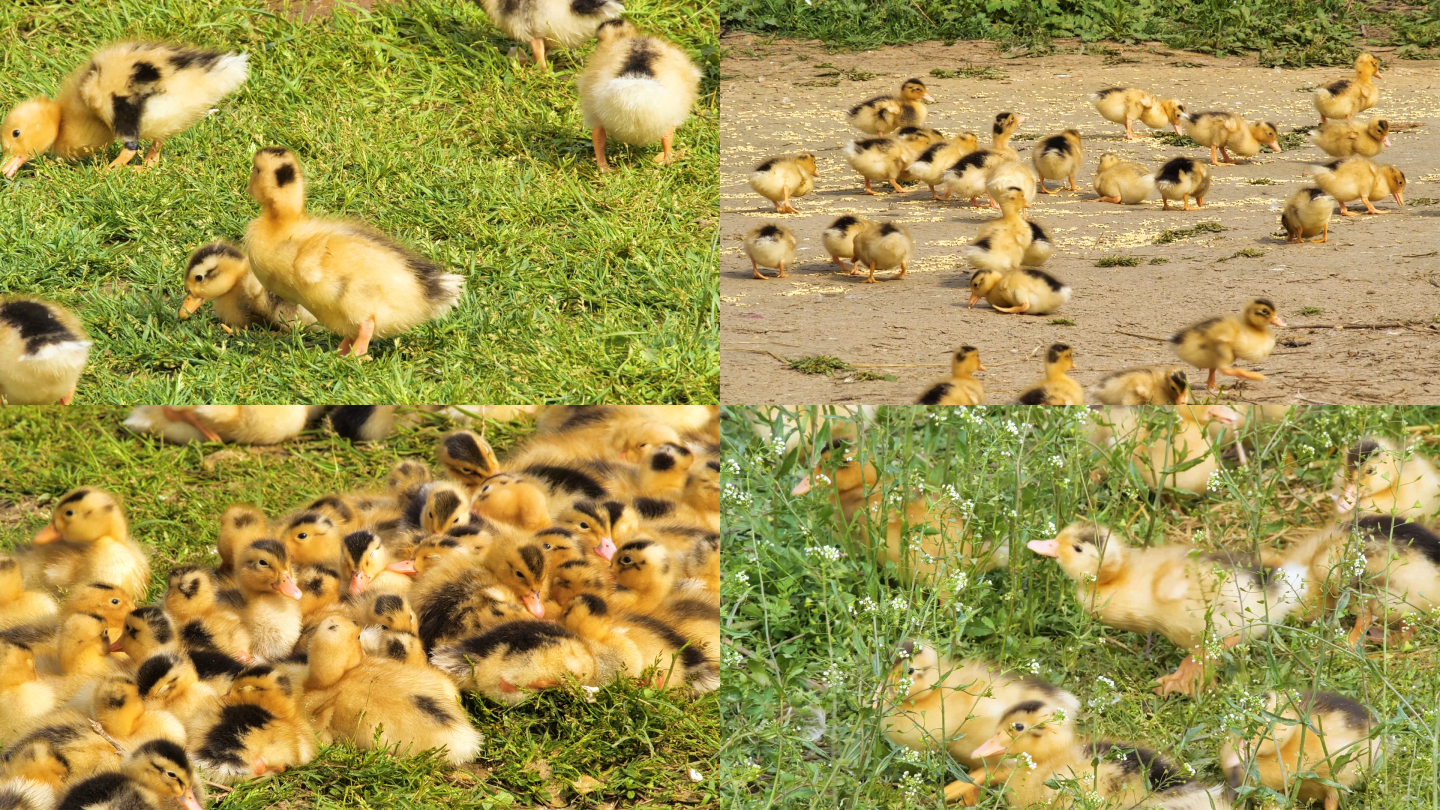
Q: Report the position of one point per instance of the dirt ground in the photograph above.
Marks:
(1375, 270)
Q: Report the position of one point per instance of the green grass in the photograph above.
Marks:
(1176, 234)
(812, 622)
(1311, 310)
(1118, 261)
(1159, 260)
(411, 117)
(978, 72)
(818, 364)
(1261, 181)
(637, 744)
(1171, 139)
(1247, 253)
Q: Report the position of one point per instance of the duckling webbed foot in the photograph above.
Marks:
(125, 155)
(755, 271)
(896, 183)
(1242, 373)
(869, 190)
(1185, 680)
(1370, 209)
(668, 155)
(152, 155)
(1020, 310)
(361, 345)
(69, 396)
(1043, 189)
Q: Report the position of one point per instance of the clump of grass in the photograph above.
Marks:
(969, 71)
(848, 74)
(1119, 261)
(1294, 139)
(1171, 139)
(1061, 322)
(1176, 234)
(1188, 65)
(1310, 310)
(864, 375)
(1423, 201)
(1247, 253)
(1159, 260)
(1262, 181)
(819, 364)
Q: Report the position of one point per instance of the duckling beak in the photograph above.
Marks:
(533, 604)
(1176, 128)
(190, 802)
(286, 585)
(192, 303)
(800, 489)
(1224, 415)
(929, 99)
(404, 567)
(49, 534)
(1386, 140)
(974, 299)
(13, 165)
(1347, 499)
(1277, 320)
(115, 647)
(1275, 145)
(1400, 198)
(606, 548)
(991, 747)
(980, 367)
(1045, 548)
(359, 583)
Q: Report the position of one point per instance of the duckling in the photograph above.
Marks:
(397, 645)
(916, 141)
(1007, 175)
(26, 794)
(207, 616)
(961, 387)
(455, 596)
(1387, 478)
(1306, 214)
(24, 696)
(1174, 591)
(1246, 137)
(237, 424)
(1058, 157)
(319, 593)
(574, 577)
(107, 602)
(220, 273)
(437, 507)
(644, 573)
(1402, 570)
(43, 349)
(1122, 181)
(879, 159)
(1021, 291)
(130, 91)
(1346, 138)
(272, 600)
(1343, 98)
(1000, 133)
(883, 114)
(1183, 459)
(311, 537)
(839, 239)
(780, 178)
(1389, 180)
(929, 167)
(883, 246)
(1323, 741)
(598, 525)
(468, 458)
(1211, 129)
(503, 663)
(169, 682)
(260, 729)
(966, 177)
(240, 525)
(82, 658)
(1148, 385)
(147, 631)
(371, 564)
(1182, 178)
(1126, 105)
(769, 245)
(87, 540)
(1040, 249)
(63, 750)
(1000, 244)
(626, 645)
(372, 701)
(1349, 179)
(519, 564)
(387, 611)
(356, 282)
(125, 717)
(155, 776)
(1056, 388)
(637, 89)
(551, 23)
(1216, 343)
(17, 605)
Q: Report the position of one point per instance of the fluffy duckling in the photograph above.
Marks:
(1058, 157)
(388, 611)
(24, 696)
(961, 387)
(1056, 388)
(1184, 458)
(131, 91)
(879, 159)
(839, 239)
(438, 507)
(1000, 244)
(1216, 343)
(220, 273)
(598, 525)
(1346, 138)
(467, 457)
(644, 573)
(125, 717)
(628, 644)
(1149, 385)
(1390, 180)
(1343, 98)
(1040, 249)
(455, 596)
(26, 794)
(1402, 569)
(156, 776)
(1122, 181)
(65, 749)
(520, 565)
(1126, 105)
(1007, 175)
(929, 167)
(574, 577)
(966, 178)
(1182, 178)
(1021, 291)
(260, 729)
(207, 616)
(1386, 478)
(396, 645)
(17, 605)
(883, 114)
(149, 632)
(637, 89)
(780, 178)
(512, 500)
(356, 282)
(82, 658)
(1174, 591)
(43, 349)
(503, 663)
(371, 565)
(272, 600)
(1306, 214)
(240, 525)
(541, 24)
(88, 540)
(1324, 741)
(169, 682)
(237, 424)
(1001, 131)
(769, 245)
(1359, 178)
(884, 246)
(1246, 137)
(311, 537)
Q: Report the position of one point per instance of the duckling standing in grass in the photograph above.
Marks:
(883, 246)
(1343, 98)
(1018, 292)
(1126, 105)
(839, 239)
(1056, 388)
(132, 91)
(88, 540)
(43, 349)
(238, 424)
(156, 776)
(769, 245)
(564, 22)
(1346, 138)
(356, 282)
(780, 178)
(637, 89)
(1216, 343)
(1058, 158)
(1182, 178)
(961, 387)
(220, 273)
(929, 167)
(1383, 477)
(1122, 181)
(884, 114)
(1150, 385)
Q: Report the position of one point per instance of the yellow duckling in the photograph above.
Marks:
(1343, 98)
(929, 167)
(1040, 248)
(637, 89)
(839, 239)
(1323, 741)
(236, 424)
(82, 658)
(1021, 291)
(88, 540)
(220, 273)
(1150, 385)
(1000, 244)
(1001, 131)
(1389, 180)
(1182, 178)
(1383, 477)
(566, 24)
(916, 142)
(272, 600)
(883, 114)
(966, 178)
(780, 178)
(1246, 137)
(170, 682)
(126, 718)
(1346, 138)
(1306, 214)
(1056, 388)
(961, 387)
(883, 246)
(515, 657)
(131, 91)
(207, 617)
(1122, 181)
(769, 245)
(24, 696)
(879, 159)
(1224, 132)
(61, 752)
(1349, 179)
(43, 349)
(156, 776)
(1009, 175)
(17, 605)
(1216, 343)
(355, 281)
(1058, 157)
(1126, 105)
(1160, 455)
(259, 730)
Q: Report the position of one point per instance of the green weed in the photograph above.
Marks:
(1176, 234)
(1119, 261)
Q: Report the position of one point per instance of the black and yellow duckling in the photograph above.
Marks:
(636, 88)
(1307, 214)
(88, 540)
(930, 165)
(1122, 181)
(1216, 343)
(883, 246)
(236, 424)
(961, 387)
(1182, 178)
(839, 239)
(1346, 138)
(769, 245)
(1058, 157)
(65, 749)
(514, 658)
(1343, 98)
(125, 717)
(206, 615)
(260, 728)
(778, 179)
(169, 682)
(1056, 387)
(272, 599)
(538, 25)
(26, 794)
(156, 776)
(1384, 477)
(1148, 385)
(1246, 137)
(878, 160)
(149, 632)
(1000, 244)
(43, 350)
(598, 525)
(456, 597)
(628, 644)
(1019, 292)
(883, 114)
(1126, 105)
(219, 272)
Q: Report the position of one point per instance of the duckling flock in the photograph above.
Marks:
(1006, 252)
(296, 270)
(997, 722)
(590, 554)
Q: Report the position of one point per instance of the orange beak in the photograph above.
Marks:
(1275, 145)
(192, 303)
(1386, 141)
(606, 548)
(974, 299)
(929, 99)
(991, 747)
(1045, 548)
(1277, 320)
(533, 604)
(13, 165)
(1399, 198)
(404, 567)
(980, 367)
(49, 534)
(800, 488)
(1223, 414)
(190, 802)
(1177, 128)
(286, 585)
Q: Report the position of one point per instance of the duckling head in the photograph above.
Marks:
(334, 650)
(642, 565)
(1372, 466)
(612, 31)
(982, 282)
(632, 441)
(118, 705)
(28, 132)
(147, 629)
(807, 163)
(1177, 385)
(966, 361)
(1012, 202)
(512, 499)
(1086, 552)
(665, 466)
(560, 545)
(702, 488)
(84, 638)
(577, 577)
(838, 465)
(1367, 65)
(1396, 180)
(263, 566)
(588, 615)
(84, 516)
(914, 90)
(522, 567)
(161, 768)
(213, 270)
(36, 757)
(1035, 727)
(165, 675)
(1059, 359)
(263, 685)
(106, 601)
(393, 612)
(916, 670)
(1261, 313)
(1266, 133)
(1173, 110)
(1108, 161)
(446, 506)
(191, 586)
(967, 141)
(1379, 129)
(277, 183)
(367, 556)
(467, 457)
(319, 588)
(1006, 123)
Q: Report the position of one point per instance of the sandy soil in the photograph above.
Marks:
(1373, 270)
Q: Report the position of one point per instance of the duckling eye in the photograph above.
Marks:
(69, 513)
(584, 526)
(199, 277)
(627, 560)
(910, 671)
(15, 134)
(171, 774)
(302, 535)
(1077, 548)
(1018, 726)
(548, 546)
(114, 601)
(264, 564)
(520, 575)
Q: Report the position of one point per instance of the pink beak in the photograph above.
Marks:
(1386, 141)
(1045, 548)
(606, 548)
(1223, 414)
(802, 487)
(532, 604)
(49, 534)
(13, 165)
(286, 585)
(115, 647)
(406, 567)
(928, 98)
(991, 747)
(359, 583)
(190, 801)
(1177, 128)
(1277, 320)
(1275, 145)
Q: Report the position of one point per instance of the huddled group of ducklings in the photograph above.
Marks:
(590, 554)
(296, 269)
(986, 718)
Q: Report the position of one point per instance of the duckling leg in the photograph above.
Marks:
(1345, 212)
(1020, 310)
(1332, 798)
(1242, 373)
(667, 154)
(782, 271)
(1164, 203)
(841, 265)
(1210, 383)
(1130, 133)
(192, 419)
(1368, 207)
(597, 139)
(1043, 189)
(1185, 680)
(965, 794)
(1229, 161)
(784, 206)
(69, 397)
(1325, 234)
(1362, 624)
(868, 190)
(1186, 198)
(903, 270)
(871, 279)
(1073, 187)
(537, 47)
(152, 155)
(755, 270)
(362, 339)
(124, 157)
(1214, 160)
(896, 183)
